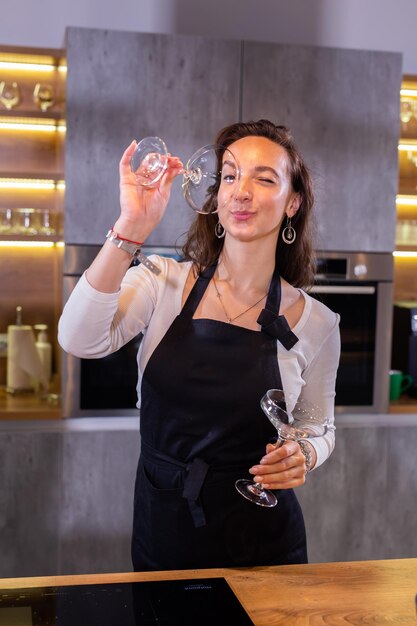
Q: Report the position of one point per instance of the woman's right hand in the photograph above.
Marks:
(142, 208)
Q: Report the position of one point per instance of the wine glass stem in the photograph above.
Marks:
(280, 442)
(194, 175)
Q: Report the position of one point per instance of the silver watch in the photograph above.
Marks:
(308, 455)
(134, 250)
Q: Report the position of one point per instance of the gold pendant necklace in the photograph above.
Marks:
(232, 319)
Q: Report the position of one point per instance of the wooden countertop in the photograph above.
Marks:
(368, 592)
(27, 406)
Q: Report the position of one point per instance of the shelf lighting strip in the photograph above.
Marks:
(30, 183)
(405, 254)
(408, 92)
(407, 147)
(32, 244)
(406, 200)
(50, 126)
(31, 67)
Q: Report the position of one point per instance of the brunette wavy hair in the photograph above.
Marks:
(296, 262)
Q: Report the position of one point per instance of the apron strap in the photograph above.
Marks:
(196, 475)
(272, 324)
(197, 291)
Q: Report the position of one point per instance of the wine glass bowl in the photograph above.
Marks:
(9, 94)
(294, 419)
(43, 96)
(149, 161)
(200, 176)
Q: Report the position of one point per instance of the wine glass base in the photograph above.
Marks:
(249, 490)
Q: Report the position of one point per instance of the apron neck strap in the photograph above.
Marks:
(273, 300)
(272, 303)
(198, 290)
(269, 319)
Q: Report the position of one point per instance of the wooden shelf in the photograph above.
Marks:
(406, 248)
(55, 115)
(30, 238)
(55, 176)
(27, 406)
(404, 404)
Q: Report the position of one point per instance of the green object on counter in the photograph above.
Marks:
(398, 383)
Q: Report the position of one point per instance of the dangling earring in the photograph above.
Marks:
(289, 234)
(219, 231)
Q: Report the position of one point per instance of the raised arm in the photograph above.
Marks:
(141, 210)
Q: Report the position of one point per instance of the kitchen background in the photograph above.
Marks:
(334, 77)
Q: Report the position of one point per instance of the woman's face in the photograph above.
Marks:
(253, 201)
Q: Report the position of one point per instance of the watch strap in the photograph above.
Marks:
(308, 455)
(133, 249)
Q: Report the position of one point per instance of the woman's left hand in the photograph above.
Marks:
(281, 468)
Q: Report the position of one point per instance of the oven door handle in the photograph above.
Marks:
(340, 289)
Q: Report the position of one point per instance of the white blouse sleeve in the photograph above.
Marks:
(94, 324)
(320, 380)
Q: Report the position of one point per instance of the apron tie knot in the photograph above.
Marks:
(277, 327)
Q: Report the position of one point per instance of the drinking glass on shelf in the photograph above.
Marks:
(150, 160)
(43, 96)
(9, 94)
(24, 221)
(46, 224)
(294, 419)
(5, 221)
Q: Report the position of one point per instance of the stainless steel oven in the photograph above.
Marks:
(357, 286)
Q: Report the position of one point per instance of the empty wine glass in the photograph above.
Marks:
(201, 173)
(9, 94)
(43, 96)
(294, 419)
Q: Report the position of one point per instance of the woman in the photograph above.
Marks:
(219, 330)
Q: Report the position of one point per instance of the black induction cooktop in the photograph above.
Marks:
(194, 602)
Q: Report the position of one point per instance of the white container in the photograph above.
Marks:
(44, 349)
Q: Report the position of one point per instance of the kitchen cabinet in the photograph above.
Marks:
(32, 140)
(342, 107)
(123, 86)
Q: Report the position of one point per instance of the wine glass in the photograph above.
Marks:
(43, 96)
(150, 160)
(9, 94)
(294, 419)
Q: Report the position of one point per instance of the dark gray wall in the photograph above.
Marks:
(66, 498)
(341, 105)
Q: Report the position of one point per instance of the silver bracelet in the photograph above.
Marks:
(133, 249)
(308, 455)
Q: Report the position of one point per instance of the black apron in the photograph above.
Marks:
(202, 428)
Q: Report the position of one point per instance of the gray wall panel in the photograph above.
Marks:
(98, 477)
(30, 503)
(66, 499)
(129, 85)
(342, 107)
(362, 504)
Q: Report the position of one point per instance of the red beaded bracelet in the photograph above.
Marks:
(137, 243)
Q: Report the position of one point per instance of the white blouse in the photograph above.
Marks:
(95, 324)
